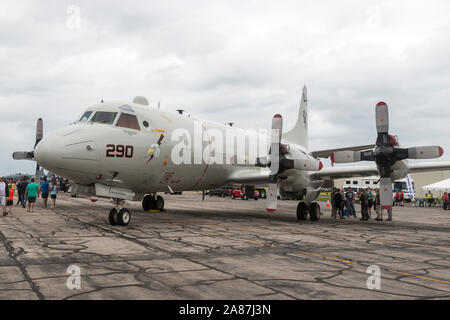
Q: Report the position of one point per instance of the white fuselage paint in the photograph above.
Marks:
(79, 152)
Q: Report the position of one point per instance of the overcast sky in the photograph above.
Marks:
(229, 61)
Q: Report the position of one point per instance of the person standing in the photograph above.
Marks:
(429, 197)
(53, 193)
(389, 212)
(21, 188)
(379, 210)
(364, 198)
(350, 197)
(333, 208)
(338, 203)
(9, 201)
(371, 196)
(4, 191)
(45, 186)
(445, 199)
(32, 192)
(402, 196)
(397, 198)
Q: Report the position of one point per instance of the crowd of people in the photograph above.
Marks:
(28, 191)
(343, 204)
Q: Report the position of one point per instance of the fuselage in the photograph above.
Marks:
(146, 149)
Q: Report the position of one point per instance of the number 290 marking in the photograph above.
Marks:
(119, 151)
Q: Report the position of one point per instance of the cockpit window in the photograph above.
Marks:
(128, 121)
(85, 116)
(104, 117)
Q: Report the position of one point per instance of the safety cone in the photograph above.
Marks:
(328, 203)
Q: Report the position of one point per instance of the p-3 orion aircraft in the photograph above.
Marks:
(125, 151)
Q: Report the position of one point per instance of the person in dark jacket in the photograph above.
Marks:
(338, 203)
(364, 198)
(21, 188)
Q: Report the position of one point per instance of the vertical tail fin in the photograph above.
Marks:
(299, 134)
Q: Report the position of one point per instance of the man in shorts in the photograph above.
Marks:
(45, 186)
(32, 193)
(4, 193)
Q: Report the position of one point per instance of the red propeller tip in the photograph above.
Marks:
(270, 210)
(441, 151)
(381, 103)
(277, 115)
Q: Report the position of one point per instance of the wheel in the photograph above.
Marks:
(245, 197)
(232, 196)
(302, 211)
(123, 217)
(148, 203)
(159, 203)
(113, 216)
(314, 211)
(256, 198)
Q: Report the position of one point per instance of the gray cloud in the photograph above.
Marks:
(230, 61)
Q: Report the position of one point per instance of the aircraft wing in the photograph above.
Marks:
(327, 153)
(428, 166)
(345, 172)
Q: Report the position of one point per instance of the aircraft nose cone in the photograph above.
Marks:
(41, 152)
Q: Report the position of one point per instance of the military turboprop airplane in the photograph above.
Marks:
(131, 151)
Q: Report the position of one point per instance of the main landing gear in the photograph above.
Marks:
(313, 209)
(152, 202)
(119, 215)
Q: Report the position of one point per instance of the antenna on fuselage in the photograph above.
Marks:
(230, 124)
(180, 111)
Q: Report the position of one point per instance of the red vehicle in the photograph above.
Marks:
(240, 193)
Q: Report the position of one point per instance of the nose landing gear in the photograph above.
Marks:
(119, 215)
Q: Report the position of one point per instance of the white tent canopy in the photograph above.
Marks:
(443, 185)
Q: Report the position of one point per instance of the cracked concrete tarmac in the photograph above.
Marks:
(221, 248)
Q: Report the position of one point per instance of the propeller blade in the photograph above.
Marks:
(277, 128)
(272, 197)
(428, 152)
(303, 164)
(386, 193)
(382, 117)
(352, 156)
(23, 155)
(39, 131)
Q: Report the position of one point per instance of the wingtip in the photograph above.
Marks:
(441, 151)
(381, 103)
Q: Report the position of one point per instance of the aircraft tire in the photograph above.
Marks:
(302, 211)
(314, 211)
(124, 217)
(159, 204)
(113, 217)
(148, 203)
